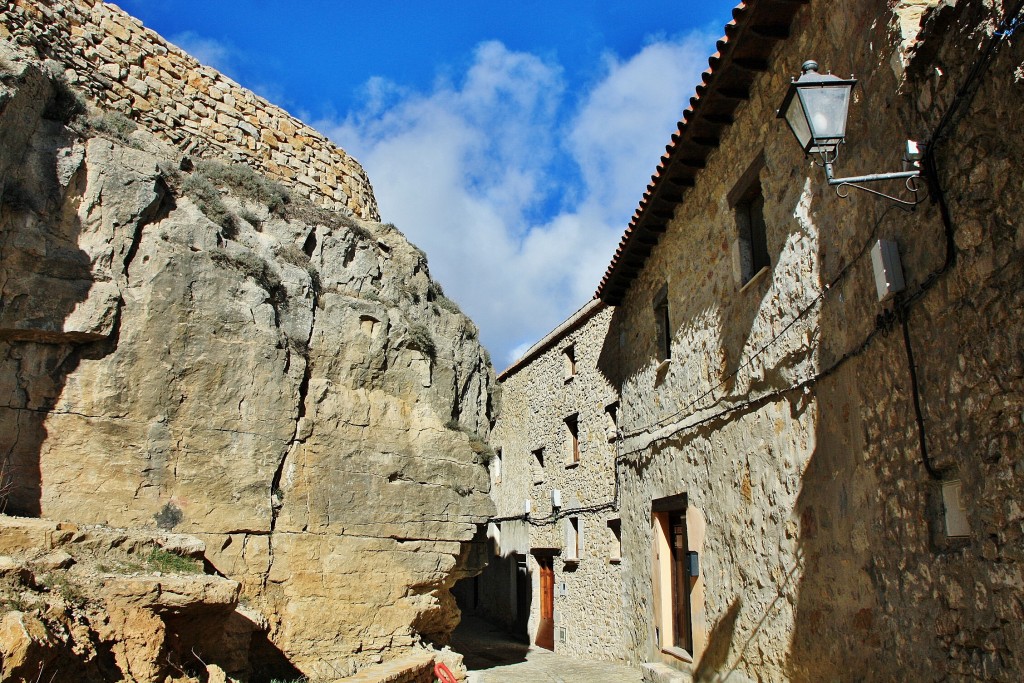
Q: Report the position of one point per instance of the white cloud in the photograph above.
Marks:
(517, 189)
(207, 51)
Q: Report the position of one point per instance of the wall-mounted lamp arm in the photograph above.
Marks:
(855, 181)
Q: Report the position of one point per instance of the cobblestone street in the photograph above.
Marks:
(492, 656)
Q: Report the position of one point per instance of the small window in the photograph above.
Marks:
(572, 440)
(572, 539)
(570, 361)
(751, 239)
(611, 411)
(615, 527)
(496, 465)
(538, 457)
(537, 466)
(494, 536)
(662, 324)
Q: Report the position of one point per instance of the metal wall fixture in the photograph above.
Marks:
(816, 107)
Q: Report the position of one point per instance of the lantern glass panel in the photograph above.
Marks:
(826, 108)
(798, 122)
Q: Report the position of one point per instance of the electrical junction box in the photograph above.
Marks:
(556, 498)
(692, 564)
(885, 258)
(563, 590)
(955, 510)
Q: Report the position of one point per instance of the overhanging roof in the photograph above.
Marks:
(743, 53)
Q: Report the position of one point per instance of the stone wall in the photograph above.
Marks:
(787, 412)
(122, 66)
(538, 393)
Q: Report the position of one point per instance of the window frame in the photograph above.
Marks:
(664, 578)
(573, 540)
(615, 527)
(662, 324)
(496, 465)
(572, 428)
(611, 412)
(539, 474)
(751, 254)
(569, 358)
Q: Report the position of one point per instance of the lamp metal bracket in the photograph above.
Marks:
(842, 185)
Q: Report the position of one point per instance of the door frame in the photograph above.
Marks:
(545, 558)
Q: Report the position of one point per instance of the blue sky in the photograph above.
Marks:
(511, 141)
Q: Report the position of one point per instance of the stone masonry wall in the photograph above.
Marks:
(787, 412)
(537, 396)
(120, 65)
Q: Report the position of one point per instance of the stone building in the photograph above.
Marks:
(819, 479)
(555, 575)
(844, 472)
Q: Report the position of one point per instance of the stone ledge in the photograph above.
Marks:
(411, 668)
(654, 672)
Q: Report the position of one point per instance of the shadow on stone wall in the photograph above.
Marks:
(884, 593)
(51, 315)
(720, 641)
(45, 276)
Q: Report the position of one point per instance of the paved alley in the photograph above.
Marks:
(492, 656)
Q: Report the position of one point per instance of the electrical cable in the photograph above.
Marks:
(1007, 27)
(963, 94)
(916, 395)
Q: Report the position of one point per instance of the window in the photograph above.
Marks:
(572, 440)
(611, 411)
(752, 241)
(538, 466)
(494, 536)
(570, 361)
(573, 547)
(674, 581)
(615, 527)
(496, 466)
(661, 323)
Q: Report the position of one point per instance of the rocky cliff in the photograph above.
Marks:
(186, 346)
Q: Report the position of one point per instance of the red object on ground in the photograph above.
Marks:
(444, 673)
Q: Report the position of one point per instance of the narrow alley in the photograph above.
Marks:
(493, 656)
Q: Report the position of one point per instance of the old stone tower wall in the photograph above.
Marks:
(123, 66)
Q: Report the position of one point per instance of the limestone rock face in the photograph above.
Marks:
(193, 350)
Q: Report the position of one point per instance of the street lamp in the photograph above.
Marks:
(816, 107)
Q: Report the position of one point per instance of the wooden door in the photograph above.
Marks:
(546, 628)
(681, 583)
